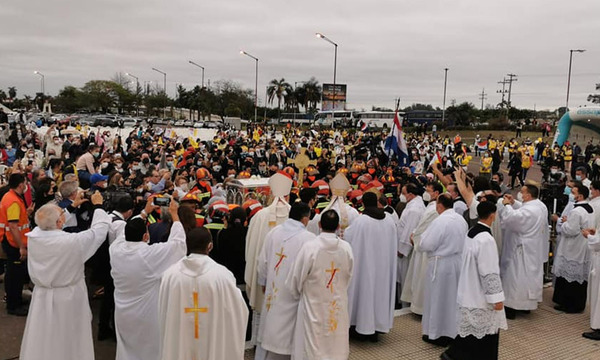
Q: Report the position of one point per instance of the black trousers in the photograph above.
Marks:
(470, 347)
(570, 295)
(15, 277)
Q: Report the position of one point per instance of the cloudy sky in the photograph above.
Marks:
(387, 48)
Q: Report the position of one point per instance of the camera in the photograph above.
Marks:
(161, 201)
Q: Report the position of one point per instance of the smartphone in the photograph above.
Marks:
(161, 201)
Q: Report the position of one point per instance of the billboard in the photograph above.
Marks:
(328, 100)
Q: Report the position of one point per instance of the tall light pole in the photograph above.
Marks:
(319, 35)
(147, 87)
(444, 103)
(569, 78)
(255, 86)
(164, 89)
(201, 67)
(42, 86)
(137, 93)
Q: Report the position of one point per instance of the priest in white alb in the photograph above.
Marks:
(372, 293)
(443, 243)
(137, 269)
(202, 313)
(278, 316)
(593, 239)
(412, 214)
(414, 290)
(480, 313)
(319, 279)
(524, 250)
(339, 187)
(261, 223)
(571, 263)
(59, 325)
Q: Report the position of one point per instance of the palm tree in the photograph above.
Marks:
(12, 92)
(312, 93)
(278, 89)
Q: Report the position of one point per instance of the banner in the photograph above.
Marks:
(328, 100)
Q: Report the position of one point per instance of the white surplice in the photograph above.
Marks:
(260, 224)
(479, 286)
(320, 278)
(280, 308)
(372, 290)
(594, 281)
(572, 255)
(414, 290)
(202, 313)
(442, 242)
(496, 226)
(137, 269)
(595, 203)
(524, 252)
(59, 325)
(406, 225)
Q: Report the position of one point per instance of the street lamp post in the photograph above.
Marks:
(137, 93)
(569, 77)
(201, 67)
(319, 35)
(42, 86)
(444, 102)
(255, 85)
(164, 89)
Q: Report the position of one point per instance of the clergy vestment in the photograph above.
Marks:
(371, 295)
(320, 278)
(137, 269)
(59, 325)
(479, 288)
(414, 290)
(594, 281)
(595, 203)
(278, 316)
(524, 251)
(496, 225)
(202, 313)
(571, 264)
(442, 242)
(406, 225)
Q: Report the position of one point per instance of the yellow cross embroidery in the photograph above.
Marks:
(332, 271)
(195, 310)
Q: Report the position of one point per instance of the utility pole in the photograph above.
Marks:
(482, 97)
(503, 91)
(511, 78)
(444, 101)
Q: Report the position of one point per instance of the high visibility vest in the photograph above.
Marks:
(215, 226)
(526, 162)
(199, 220)
(8, 199)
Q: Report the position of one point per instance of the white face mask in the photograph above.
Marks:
(184, 187)
(426, 197)
(520, 197)
(553, 171)
(403, 198)
(104, 165)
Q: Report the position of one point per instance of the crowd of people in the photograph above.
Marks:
(349, 234)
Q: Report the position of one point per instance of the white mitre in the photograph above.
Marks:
(339, 187)
(280, 185)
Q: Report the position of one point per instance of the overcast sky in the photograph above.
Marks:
(387, 48)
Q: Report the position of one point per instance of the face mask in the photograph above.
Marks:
(96, 154)
(118, 165)
(571, 197)
(402, 198)
(426, 197)
(184, 187)
(251, 153)
(232, 176)
(262, 168)
(104, 186)
(217, 168)
(520, 197)
(312, 178)
(30, 155)
(553, 171)
(140, 190)
(104, 165)
(23, 149)
(578, 177)
(567, 190)
(56, 142)
(170, 163)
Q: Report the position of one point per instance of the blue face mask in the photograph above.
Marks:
(571, 197)
(567, 190)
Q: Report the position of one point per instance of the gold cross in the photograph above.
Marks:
(195, 310)
(333, 271)
(281, 257)
(301, 162)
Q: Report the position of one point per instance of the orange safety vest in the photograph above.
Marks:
(8, 199)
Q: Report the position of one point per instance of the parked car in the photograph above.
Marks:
(179, 123)
(189, 123)
(198, 124)
(212, 124)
